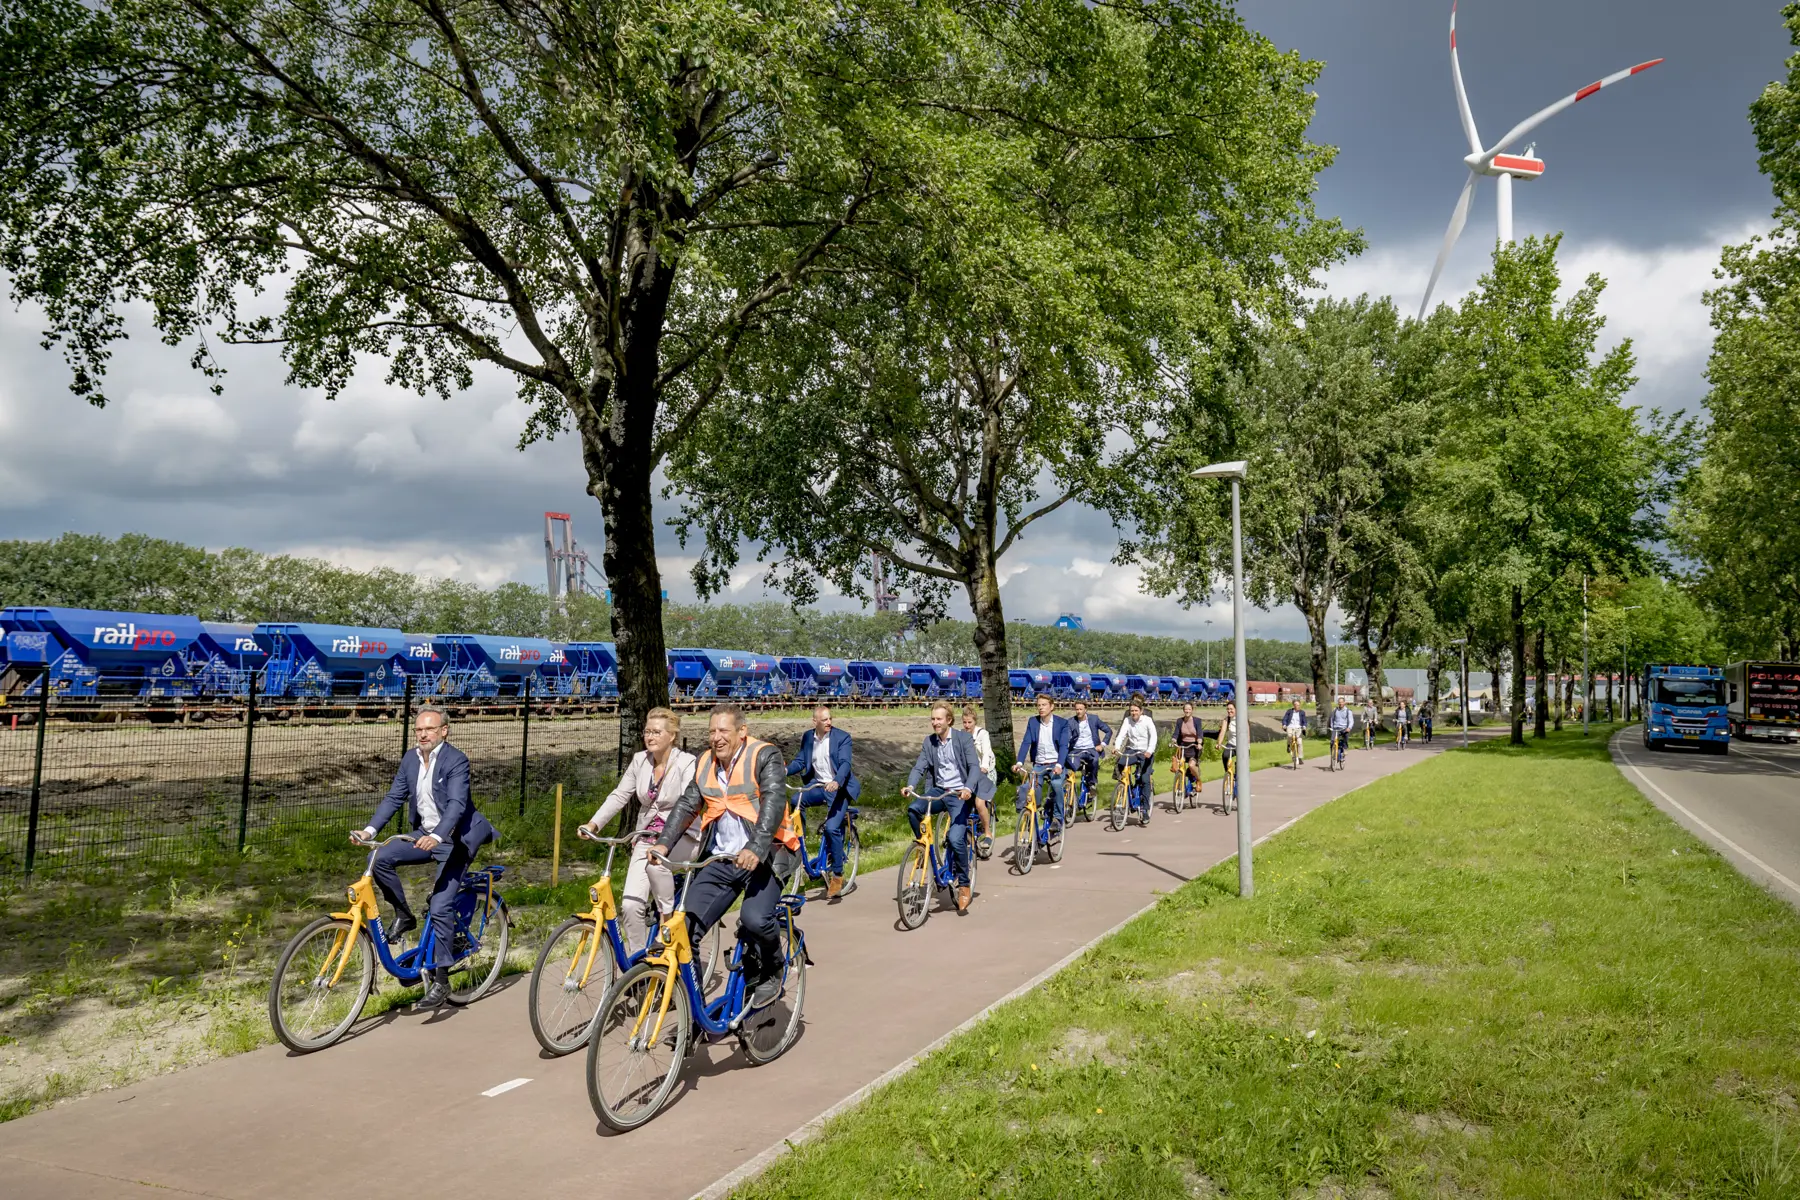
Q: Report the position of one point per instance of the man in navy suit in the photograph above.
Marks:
(1045, 751)
(953, 765)
(823, 764)
(433, 784)
(1087, 741)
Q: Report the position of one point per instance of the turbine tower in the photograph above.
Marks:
(1496, 162)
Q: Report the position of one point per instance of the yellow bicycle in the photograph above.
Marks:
(1036, 834)
(1125, 797)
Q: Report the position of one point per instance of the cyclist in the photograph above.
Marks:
(433, 786)
(1228, 735)
(1343, 721)
(1370, 716)
(1294, 723)
(1188, 736)
(1086, 745)
(1137, 737)
(739, 794)
(1046, 748)
(656, 778)
(823, 764)
(984, 746)
(1403, 724)
(1425, 720)
(950, 759)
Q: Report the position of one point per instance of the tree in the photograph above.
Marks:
(1316, 413)
(1549, 471)
(1133, 183)
(607, 202)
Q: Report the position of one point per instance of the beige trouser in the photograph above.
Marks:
(644, 879)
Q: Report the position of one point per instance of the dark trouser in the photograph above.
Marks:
(1050, 794)
(709, 897)
(960, 813)
(1144, 788)
(452, 859)
(1088, 763)
(831, 833)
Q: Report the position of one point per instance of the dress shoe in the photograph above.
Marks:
(438, 994)
(403, 924)
(767, 992)
(834, 886)
(962, 899)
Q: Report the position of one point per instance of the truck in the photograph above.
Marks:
(1685, 704)
(1764, 699)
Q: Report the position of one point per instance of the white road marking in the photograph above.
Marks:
(1759, 863)
(508, 1086)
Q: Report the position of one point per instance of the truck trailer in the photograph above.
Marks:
(1764, 699)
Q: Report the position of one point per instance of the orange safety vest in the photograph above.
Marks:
(739, 794)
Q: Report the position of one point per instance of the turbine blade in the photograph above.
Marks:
(1538, 118)
(1462, 97)
(1458, 219)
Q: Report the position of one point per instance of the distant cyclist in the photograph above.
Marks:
(984, 746)
(1228, 736)
(1343, 721)
(1425, 721)
(1188, 735)
(1045, 750)
(949, 759)
(1403, 719)
(1136, 740)
(1293, 723)
(1086, 745)
(1370, 716)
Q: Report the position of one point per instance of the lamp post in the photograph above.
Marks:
(1625, 664)
(1587, 679)
(1462, 689)
(1235, 471)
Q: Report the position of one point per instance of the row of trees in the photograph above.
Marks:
(903, 276)
(135, 573)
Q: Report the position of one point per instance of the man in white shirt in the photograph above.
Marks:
(823, 764)
(1137, 738)
(433, 785)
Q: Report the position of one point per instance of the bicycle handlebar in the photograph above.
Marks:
(695, 864)
(368, 843)
(581, 831)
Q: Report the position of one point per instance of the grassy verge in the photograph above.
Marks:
(1500, 973)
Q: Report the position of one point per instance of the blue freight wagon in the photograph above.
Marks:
(1141, 684)
(933, 681)
(1198, 692)
(1223, 690)
(485, 667)
(971, 681)
(596, 666)
(1027, 683)
(88, 654)
(225, 658)
(702, 674)
(1107, 686)
(1171, 689)
(1070, 685)
(817, 677)
(767, 679)
(427, 661)
(874, 679)
(320, 662)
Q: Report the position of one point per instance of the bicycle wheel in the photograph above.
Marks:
(1116, 815)
(1144, 806)
(488, 931)
(308, 1010)
(1231, 793)
(562, 1004)
(913, 888)
(630, 1073)
(767, 1033)
(1025, 842)
(712, 961)
(852, 856)
(1055, 835)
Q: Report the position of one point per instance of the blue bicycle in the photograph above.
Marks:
(1037, 836)
(815, 867)
(653, 1015)
(584, 954)
(1080, 798)
(1129, 794)
(927, 866)
(325, 974)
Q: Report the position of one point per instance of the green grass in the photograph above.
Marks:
(1499, 973)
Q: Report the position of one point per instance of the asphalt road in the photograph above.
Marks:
(462, 1097)
(1745, 804)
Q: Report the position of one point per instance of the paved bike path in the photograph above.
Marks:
(400, 1101)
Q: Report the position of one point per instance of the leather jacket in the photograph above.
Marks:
(771, 785)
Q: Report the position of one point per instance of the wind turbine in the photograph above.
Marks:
(1494, 161)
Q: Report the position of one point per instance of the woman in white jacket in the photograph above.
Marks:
(984, 746)
(656, 778)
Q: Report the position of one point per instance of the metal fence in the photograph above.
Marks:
(102, 788)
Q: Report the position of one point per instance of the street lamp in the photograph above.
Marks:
(1462, 691)
(1587, 678)
(1209, 626)
(1236, 471)
(1625, 665)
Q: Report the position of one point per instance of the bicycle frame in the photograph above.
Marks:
(941, 874)
(1129, 764)
(364, 912)
(1040, 817)
(814, 864)
(603, 913)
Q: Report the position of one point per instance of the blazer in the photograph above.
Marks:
(968, 761)
(1099, 730)
(458, 817)
(1061, 733)
(840, 761)
(636, 782)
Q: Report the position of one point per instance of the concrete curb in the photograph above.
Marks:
(724, 1185)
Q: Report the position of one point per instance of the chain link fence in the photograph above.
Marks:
(101, 789)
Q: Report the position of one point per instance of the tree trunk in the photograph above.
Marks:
(990, 649)
(1542, 685)
(1372, 668)
(1434, 666)
(1610, 717)
(1324, 698)
(1518, 666)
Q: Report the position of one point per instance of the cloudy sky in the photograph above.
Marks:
(1647, 180)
